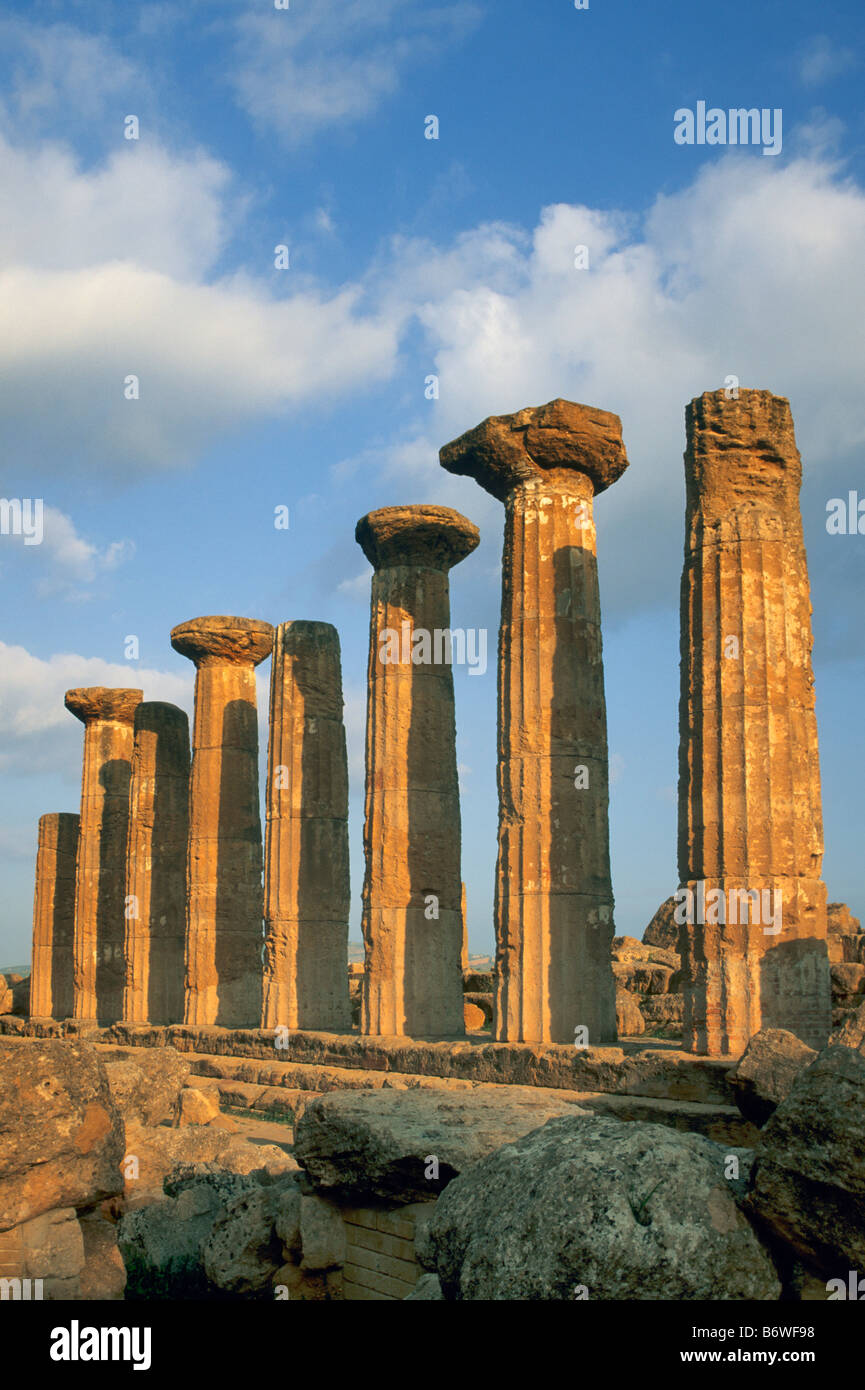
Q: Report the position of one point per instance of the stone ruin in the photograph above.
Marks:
(160, 922)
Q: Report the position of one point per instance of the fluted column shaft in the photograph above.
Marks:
(554, 900)
(100, 868)
(412, 915)
(155, 915)
(306, 876)
(750, 818)
(51, 979)
(224, 864)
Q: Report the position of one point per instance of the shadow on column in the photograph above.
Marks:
(238, 890)
(578, 881)
(318, 888)
(794, 975)
(168, 848)
(114, 777)
(432, 947)
(63, 919)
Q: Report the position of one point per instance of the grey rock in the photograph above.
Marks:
(766, 1071)
(627, 1211)
(378, 1144)
(808, 1185)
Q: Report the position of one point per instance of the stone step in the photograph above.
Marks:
(242, 1084)
(657, 1071)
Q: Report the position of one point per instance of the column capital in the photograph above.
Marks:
(100, 702)
(742, 450)
(213, 640)
(507, 450)
(428, 536)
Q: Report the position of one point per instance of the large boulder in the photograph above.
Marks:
(588, 1206)
(146, 1087)
(808, 1180)
(845, 938)
(852, 1031)
(766, 1071)
(61, 1135)
(629, 1019)
(244, 1250)
(628, 950)
(663, 930)
(663, 1009)
(155, 1154)
(404, 1146)
(15, 995)
(162, 1242)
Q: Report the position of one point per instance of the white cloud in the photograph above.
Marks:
(333, 61)
(207, 358)
(170, 213)
(37, 732)
(823, 59)
(355, 588)
(60, 74)
(65, 564)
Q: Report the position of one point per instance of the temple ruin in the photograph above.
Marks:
(306, 877)
(750, 818)
(554, 898)
(166, 919)
(412, 892)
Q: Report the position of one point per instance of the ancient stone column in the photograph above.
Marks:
(51, 994)
(464, 950)
(306, 874)
(412, 919)
(554, 900)
(156, 865)
(224, 865)
(750, 819)
(100, 868)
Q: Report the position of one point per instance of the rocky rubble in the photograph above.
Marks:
(61, 1143)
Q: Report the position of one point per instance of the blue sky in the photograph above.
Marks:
(305, 387)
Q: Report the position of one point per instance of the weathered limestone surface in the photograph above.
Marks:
(587, 1206)
(306, 874)
(749, 776)
(100, 867)
(61, 1136)
(51, 994)
(659, 1071)
(156, 865)
(412, 916)
(554, 901)
(376, 1144)
(224, 865)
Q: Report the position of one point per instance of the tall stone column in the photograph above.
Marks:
(554, 900)
(306, 875)
(100, 867)
(156, 865)
(51, 994)
(224, 890)
(750, 819)
(412, 918)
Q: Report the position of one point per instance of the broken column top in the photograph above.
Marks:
(436, 537)
(157, 715)
(506, 450)
(101, 702)
(241, 641)
(742, 450)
